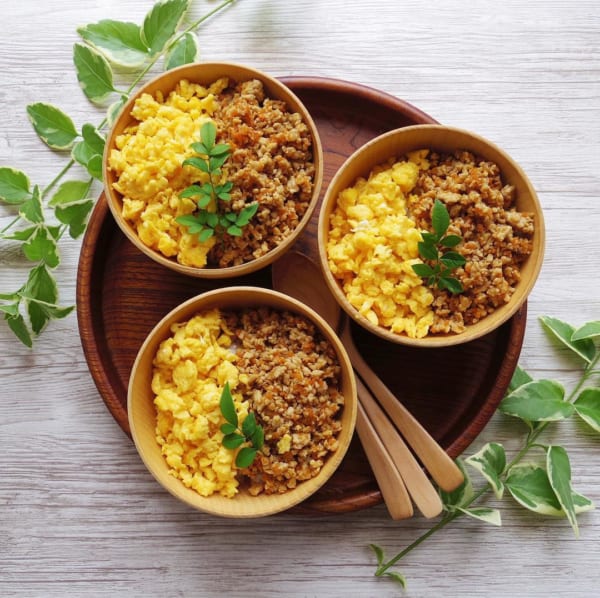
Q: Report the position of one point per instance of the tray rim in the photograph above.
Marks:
(89, 328)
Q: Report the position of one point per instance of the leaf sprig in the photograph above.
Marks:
(42, 215)
(539, 476)
(210, 218)
(250, 433)
(434, 248)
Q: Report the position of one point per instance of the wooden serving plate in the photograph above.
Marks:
(453, 391)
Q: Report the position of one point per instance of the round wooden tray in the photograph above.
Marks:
(453, 391)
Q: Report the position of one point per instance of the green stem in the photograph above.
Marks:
(10, 224)
(58, 177)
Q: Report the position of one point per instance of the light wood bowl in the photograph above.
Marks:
(142, 412)
(395, 144)
(206, 73)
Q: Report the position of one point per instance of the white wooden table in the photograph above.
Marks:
(80, 515)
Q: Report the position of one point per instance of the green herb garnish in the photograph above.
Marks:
(250, 433)
(433, 248)
(210, 218)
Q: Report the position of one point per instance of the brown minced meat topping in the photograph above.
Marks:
(293, 389)
(271, 162)
(496, 237)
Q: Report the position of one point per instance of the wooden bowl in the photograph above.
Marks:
(205, 74)
(395, 144)
(142, 412)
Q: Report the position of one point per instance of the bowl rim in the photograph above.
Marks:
(185, 71)
(207, 300)
(473, 331)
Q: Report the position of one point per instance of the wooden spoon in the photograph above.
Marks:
(298, 276)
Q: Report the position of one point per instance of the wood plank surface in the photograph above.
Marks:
(80, 515)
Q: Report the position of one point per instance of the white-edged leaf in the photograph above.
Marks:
(378, 553)
(75, 215)
(70, 191)
(14, 185)
(17, 324)
(587, 406)
(539, 400)
(564, 333)
(588, 330)
(41, 247)
(120, 42)
(93, 73)
(462, 495)
(519, 377)
(31, 209)
(582, 503)
(41, 285)
(88, 152)
(490, 461)
(486, 514)
(559, 474)
(161, 23)
(185, 51)
(529, 485)
(53, 126)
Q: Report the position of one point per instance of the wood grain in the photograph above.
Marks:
(79, 513)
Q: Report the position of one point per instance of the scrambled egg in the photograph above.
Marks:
(147, 162)
(372, 245)
(191, 368)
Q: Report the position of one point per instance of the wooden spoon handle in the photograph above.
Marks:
(417, 483)
(441, 467)
(388, 477)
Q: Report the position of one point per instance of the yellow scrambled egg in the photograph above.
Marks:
(372, 245)
(191, 368)
(147, 163)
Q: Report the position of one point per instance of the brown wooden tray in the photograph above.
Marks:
(453, 391)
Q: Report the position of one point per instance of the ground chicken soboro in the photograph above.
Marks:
(271, 163)
(292, 385)
(496, 237)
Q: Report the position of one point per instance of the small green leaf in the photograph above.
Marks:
(93, 139)
(14, 185)
(184, 51)
(41, 285)
(112, 112)
(423, 270)
(31, 209)
(564, 333)
(161, 23)
(440, 220)
(490, 461)
(89, 152)
(249, 425)
(215, 163)
(258, 437)
(234, 231)
(219, 150)
(19, 328)
(228, 428)
(429, 238)
(12, 309)
(233, 441)
(450, 284)
(227, 406)
(208, 134)
(245, 457)
(53, 126)
(69, 192)
(379, 555)
(450, 241)
(246, 214)
(488, 515)
(559, 474)
(20, 235)
(75, 215)
(93, 73)
(588, 330)
(120, 42)
(212, 219)
(186, 220)
(587, 406)
(204, 201)
(397, 577)
(191, 191)
(199, 163)
(453, 260)
(539, 400)
(200, 148)
(462, 495)
(529, 485)
(520, 377)
(41, 247)
(427, 251)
